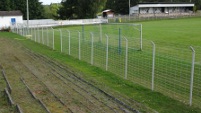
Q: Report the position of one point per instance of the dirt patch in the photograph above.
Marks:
(57, 87)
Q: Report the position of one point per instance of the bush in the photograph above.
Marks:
(7, 29)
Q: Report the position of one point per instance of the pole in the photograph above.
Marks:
(92, 49)
(153, 65)
(101, 32)
(79, 45)
(27, 16)
(129, 5)
(141, 37)
(119, 48)
(192, 75)
(126, 59)
(68, 42)
(82, 32)
(106, 66)
(61, 40)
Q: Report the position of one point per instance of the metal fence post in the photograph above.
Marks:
(31, 31)
(35, 33)
(68, 42)
(101, 36)
(83, 31)
(126, 59)
(38, 35)
(119, 48)
(47, 37)
(92, 49)
(52, 38)
(141, 37)
(192, 75)
(17, 29)
(153, 64)
(79, 36)
(22, 30)
(107, 38)
(61, 40)
(43, 37)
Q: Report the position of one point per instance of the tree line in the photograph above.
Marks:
(75, 9)
(72, 9)
(36, 10)
(121, 6)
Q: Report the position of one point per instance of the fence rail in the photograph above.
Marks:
(173, 71)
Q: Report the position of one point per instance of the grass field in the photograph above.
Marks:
(172, 38)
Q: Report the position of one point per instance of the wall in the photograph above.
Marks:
(51, 23)
(134, 10)
(5, 21)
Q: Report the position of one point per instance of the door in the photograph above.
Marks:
(13, 21)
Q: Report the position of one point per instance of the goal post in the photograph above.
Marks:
(132, 31)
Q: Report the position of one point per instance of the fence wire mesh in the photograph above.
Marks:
(170, 70)
(173, 72)
(197, 78)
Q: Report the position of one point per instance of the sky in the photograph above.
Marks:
(48, 2)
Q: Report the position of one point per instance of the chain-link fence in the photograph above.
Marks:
(173, 71)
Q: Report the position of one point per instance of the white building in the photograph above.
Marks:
(10, 18)
(157, 8)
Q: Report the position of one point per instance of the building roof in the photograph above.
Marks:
(11, 13)
(108, 10)
(165, 4)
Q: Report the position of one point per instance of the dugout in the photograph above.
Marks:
(108, 13)
(161, 8)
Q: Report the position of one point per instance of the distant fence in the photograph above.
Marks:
(52, 23)
(143, 17)
(173, 71)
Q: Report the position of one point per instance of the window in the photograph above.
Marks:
(13, 21)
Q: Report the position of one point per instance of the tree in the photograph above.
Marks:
(5, 5)
(120, 6)
(35, 7)
(197, 4)
(54, 7)
(80, 8)
(67, 11)
(12, 4)
(47, 12)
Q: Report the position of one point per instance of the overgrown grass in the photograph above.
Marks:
(4, 105)
(109, 81)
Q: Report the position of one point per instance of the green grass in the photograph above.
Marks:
(174, 31)
(177, 32)
(173, 55)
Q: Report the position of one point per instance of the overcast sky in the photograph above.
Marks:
(48, 2)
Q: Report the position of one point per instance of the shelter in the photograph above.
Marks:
(10, 18)
(159, 8)
(108, 13)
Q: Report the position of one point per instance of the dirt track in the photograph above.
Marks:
(56, 86)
